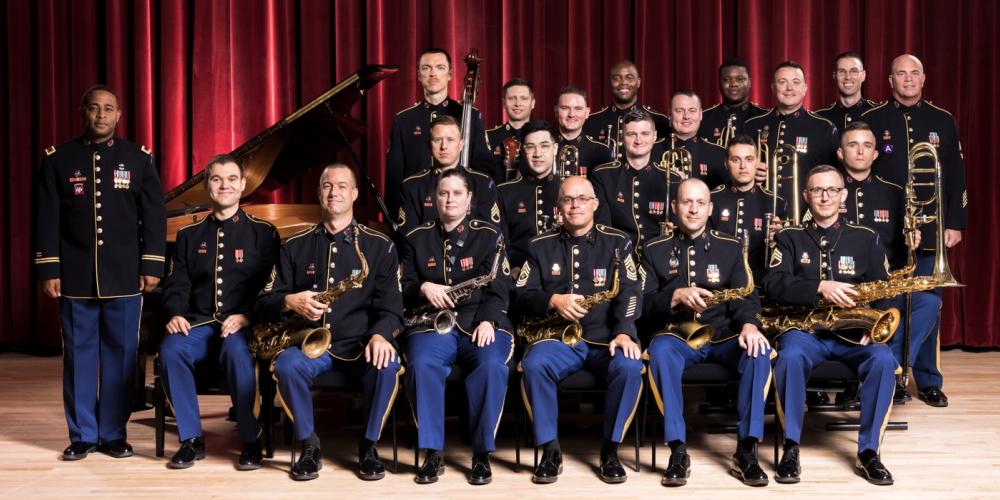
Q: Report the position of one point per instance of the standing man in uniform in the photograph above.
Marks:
(528, 203)
(898, 124)
(815, 139)
(849, 74)
(100, 243)
(606, 125)
(408, 152)
(632, 193)
(364, 321)
(708, 159)
(582, 153)
(209, 299)
(565, 265)
(726, 120)
(504, 140)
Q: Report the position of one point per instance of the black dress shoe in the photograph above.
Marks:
(190, 450)
(746, 469)
(308, 465)
(549, 468)
(678, 469)
(432, 468)
(901, 396)
(251, 458)
(612, 471)
(817, 398)
(370, 468)
(481, 472)
(873, 470)
(119, 448)
(933, 397)
(78, 450)
(788, 470)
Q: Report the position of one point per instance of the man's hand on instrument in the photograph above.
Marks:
(484, 334)
(692, 297)
(837, 292)
(565, 305)
(917, 237)
(233, 324)
(178, 324)
(627, 345)
(379, 352)
(867, 339)
(304, 305)
(437, 295)
(761, 174)
(753, 340)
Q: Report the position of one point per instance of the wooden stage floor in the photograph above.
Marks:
(952, 452)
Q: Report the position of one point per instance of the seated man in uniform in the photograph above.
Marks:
(209, 299)
(417, 204)
(825, 259)
(566, 265)
(365, 320)
(681, 271)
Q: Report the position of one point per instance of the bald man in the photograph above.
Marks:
(899, 123)
(605, 126)
(564, 265)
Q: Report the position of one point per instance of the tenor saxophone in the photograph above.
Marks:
(557, 327)
(269, 339)
(697, 334)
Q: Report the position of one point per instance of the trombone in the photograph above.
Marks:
(568, 162)
(728, 132)
(784, 155)
(676, 161)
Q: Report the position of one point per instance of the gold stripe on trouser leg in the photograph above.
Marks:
(392, 400)
(635, 407)
(256, 390)
(770, 373)
(937, 349)
(277, 389)
(510, 354)
(656, 392)
(885, 424)
(524, 395)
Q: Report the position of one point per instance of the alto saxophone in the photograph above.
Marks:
(848, 322)
(698, 334)
(443, 320)
(269, 339)
(556, 327)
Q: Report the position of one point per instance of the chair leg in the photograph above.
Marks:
(267, 416)
(159, 403)
(395, 444)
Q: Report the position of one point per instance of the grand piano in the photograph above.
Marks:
(310, 137)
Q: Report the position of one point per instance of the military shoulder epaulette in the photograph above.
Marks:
(49, 150)
(855, 226)
(814, 115)
(146, 150)
(517, 178)
(791, 227)
(418, 175)
(608, 165)
(828, 108)
(710, 108)
(605, 108)
(931, 104)
(258, 220)
(610, 231)
(871, 102)
(893, 184)
(719, 188)
(481, 224)
(409, 108)
(476, 172)
(710, 143)
(427, 225)
(758, 117)
(722, 236)
(498, 127)
(371, 232)
(601, 144)
(650, 110)
(659, 239)
(547, 234)
(195, 223)
(880, 106)
(769, 192)
(301, 233)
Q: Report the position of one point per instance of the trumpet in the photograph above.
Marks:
(568, 162)
(697, 334)
(443, 321)
(775, 163)
(676, 161)
(728, 132)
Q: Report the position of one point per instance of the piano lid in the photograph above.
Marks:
(307, 138)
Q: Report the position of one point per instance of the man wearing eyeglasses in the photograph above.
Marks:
(735, 108)
(825, 259)
(571, 114)
(849, 74)
(565, 265)
(528, 203)
(633, 191)
(606, 125)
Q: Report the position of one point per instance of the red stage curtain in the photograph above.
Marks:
(197, 78)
